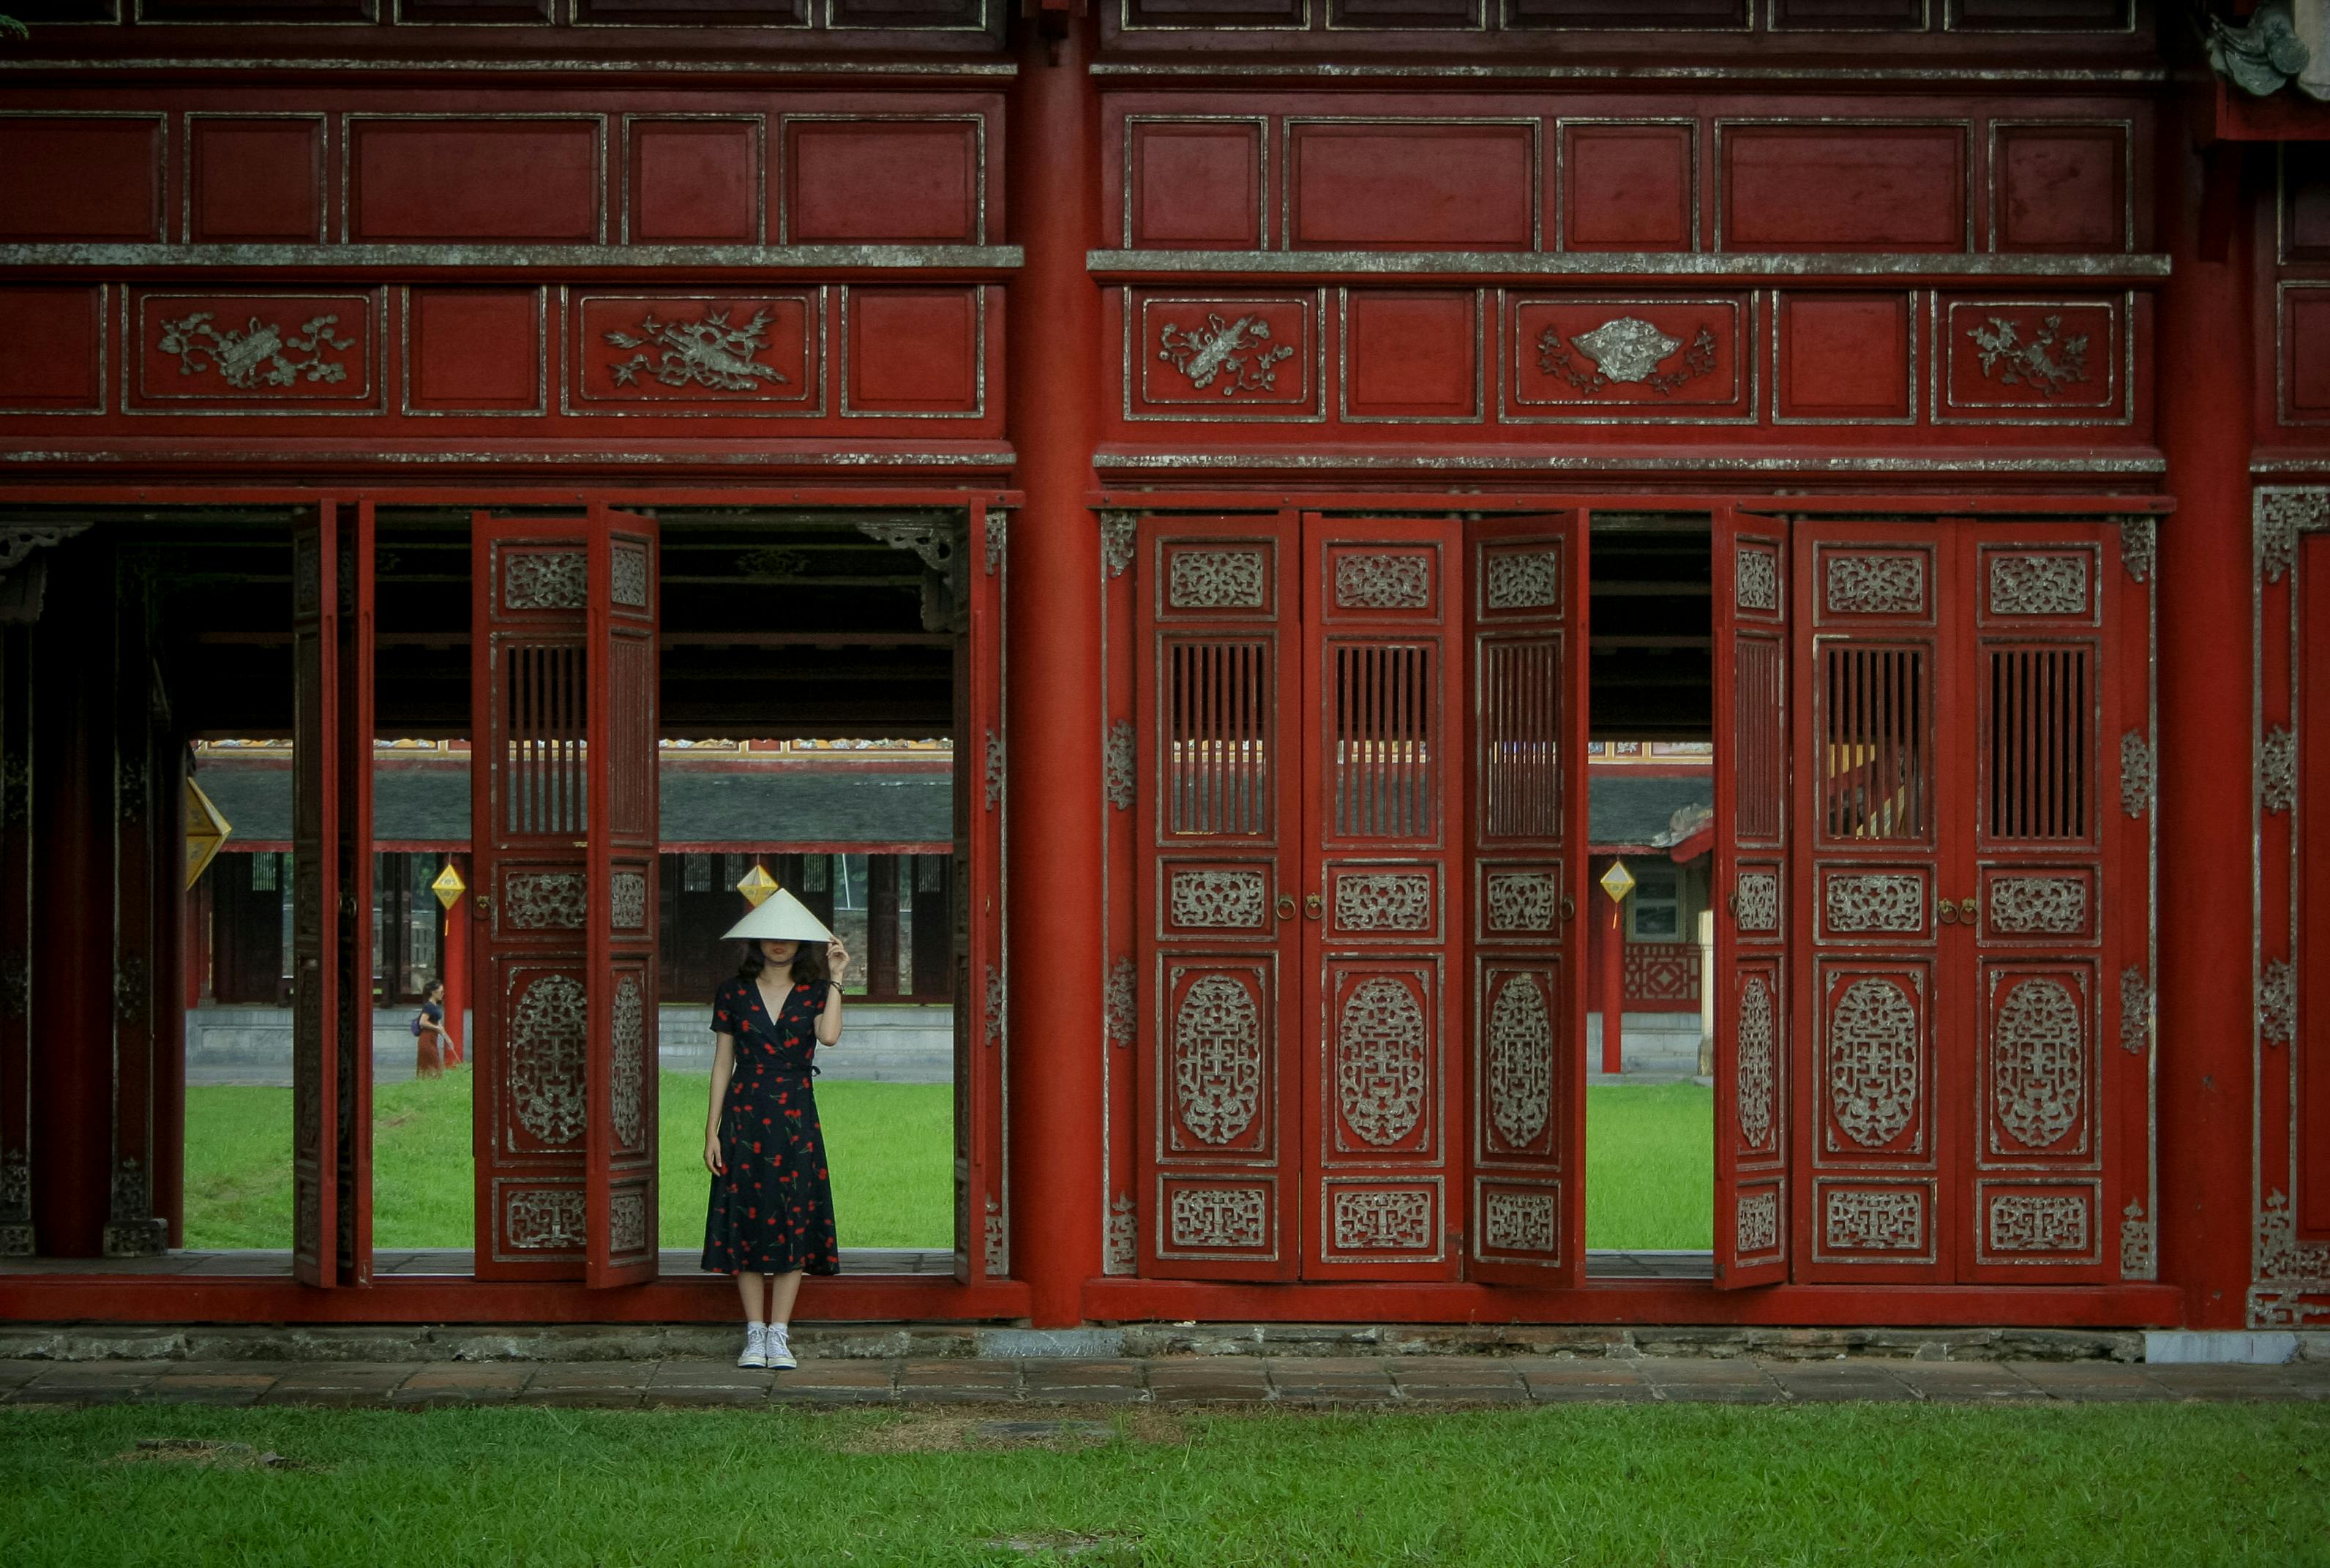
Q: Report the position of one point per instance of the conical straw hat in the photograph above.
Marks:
(780, 917)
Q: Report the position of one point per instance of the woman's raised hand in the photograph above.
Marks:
(837, 961)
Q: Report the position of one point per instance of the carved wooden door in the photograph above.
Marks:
(1878, 825)
(1220, 824)
(620, 800)
(1959, 879)
(1524, 883)
(562, 678)
(1383, 737)
(331, 930)
(1751, 586)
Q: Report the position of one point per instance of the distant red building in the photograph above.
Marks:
(1269, 440)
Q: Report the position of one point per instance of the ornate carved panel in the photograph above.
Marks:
(2036, 1223)
(1372, 1218)
(1383, 582)
(1382, 1054)
(1218, 900)
(1523, 901)
(1521, 1219)
(546, 1042)
(1874, 1064)
(1756, 1223)
(1219, 1219)
(630, 1066)
(542, 900)
(1524, 580)
(1870, 584)
(1873, 1220)
(2039, 905)
(2039, 1060)
(1758, 1044)
(1874, 901)
(2038, 585)
(1520, 1060)
(542, 1220)
(1227, 579)
(1384, 901)
(1216, 1059)
(628, 892)
(545, 580)
(1756, 579)
(1757, 909)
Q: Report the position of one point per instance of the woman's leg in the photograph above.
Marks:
(748, 1286)
(782, 1288)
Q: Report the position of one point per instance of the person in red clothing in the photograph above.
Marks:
(770, 1217)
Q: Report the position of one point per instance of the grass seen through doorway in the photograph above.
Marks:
(1649, 1169)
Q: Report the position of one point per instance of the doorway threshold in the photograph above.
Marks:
(1603, 1263)
(438, 1262)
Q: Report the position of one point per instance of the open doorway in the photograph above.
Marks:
(1650, 771)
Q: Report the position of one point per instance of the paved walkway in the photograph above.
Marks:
(1437, 1382)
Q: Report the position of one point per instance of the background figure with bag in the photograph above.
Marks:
(432, 1044)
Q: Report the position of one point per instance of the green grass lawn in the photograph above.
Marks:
(1644, 1487)
(1649, 1167)
(891, 1148)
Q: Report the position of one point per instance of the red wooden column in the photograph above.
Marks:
(2206, 1004)
(1613, 987)
(1052, 705)
(453, 963)
(72, 931)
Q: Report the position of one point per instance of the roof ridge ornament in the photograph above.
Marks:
(2282, 42)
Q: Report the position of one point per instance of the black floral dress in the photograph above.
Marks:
(773, 1212)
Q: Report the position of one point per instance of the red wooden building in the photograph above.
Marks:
(1269, 437)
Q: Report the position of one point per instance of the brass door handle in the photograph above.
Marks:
(1731, 903)
(1967, 910)
(482, 902)
(1311, 906)
(1946, 911)
(1569, 907)
(1286, 906)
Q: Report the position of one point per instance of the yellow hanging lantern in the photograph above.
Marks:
(1617, 881)
(449, 887)
(206, 830)
(757, 885)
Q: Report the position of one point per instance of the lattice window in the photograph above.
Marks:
(1875, 711)
(1383, 784)
(1521, 737)
(544, 721)
(1759, 739)
(2040, 756)
(1218, 765)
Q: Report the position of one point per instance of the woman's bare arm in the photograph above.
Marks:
(724, 1063)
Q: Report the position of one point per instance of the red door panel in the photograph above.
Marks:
(620, 806)
(1878, 709)
(1752, 1081)
(1219, 815)
(1382, 729)
(1525, 882)
(331, 842)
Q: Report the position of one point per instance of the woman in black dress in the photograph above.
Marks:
(771, 1216)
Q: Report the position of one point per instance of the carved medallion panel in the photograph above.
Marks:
(1759, 1036)
(1516, 1219)
(1519, 901)
(2055, 903)
(2031, 584)
(2037, 1223)
(728, 354)
(2018, 362)
(1217, 1219)
(1383, 1051)
(543, 1038)
(1518, 1054)
(1384, 901)
(1607, 360)
(1223, 357)
(1874, 1064)
(1217, 1062)
(1857, 903)
(259, 354)
(1874, 1222)
(540, 901)
(1210, 578)
(1216, 898)
(1368, 579)
(1892, 584)
(1520, 580)
(2039, 1064)
(1378, 1223)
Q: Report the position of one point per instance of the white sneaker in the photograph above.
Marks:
(781, 1351)
(756, 1346)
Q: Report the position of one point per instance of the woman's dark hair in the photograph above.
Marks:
(431, 988)
(809, 964)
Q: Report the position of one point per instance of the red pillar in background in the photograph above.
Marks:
(454, 968)
(2207, 1005)
(73, 935)
(1614, 988)
(1052, 703)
